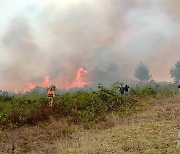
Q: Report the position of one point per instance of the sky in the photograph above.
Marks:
(55, 37)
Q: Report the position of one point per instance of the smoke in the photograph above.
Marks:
(104, 36)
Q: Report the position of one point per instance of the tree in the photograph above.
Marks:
(175, 72)
(142, 72)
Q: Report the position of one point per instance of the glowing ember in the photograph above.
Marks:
(46, 81)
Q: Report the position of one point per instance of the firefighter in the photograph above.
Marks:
(51, 95)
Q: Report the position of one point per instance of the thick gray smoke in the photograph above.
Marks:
(103, 36)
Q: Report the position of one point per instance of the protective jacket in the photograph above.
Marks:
(51, 93)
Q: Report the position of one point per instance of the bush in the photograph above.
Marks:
(88, 106)
(80, 106)
(21, 110)
(146, 91)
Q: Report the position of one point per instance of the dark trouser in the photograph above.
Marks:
(122, 92)
(51, 100)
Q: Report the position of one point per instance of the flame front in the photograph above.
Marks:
(80, 80)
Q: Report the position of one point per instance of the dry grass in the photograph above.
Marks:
(153, 129)
(34, 139)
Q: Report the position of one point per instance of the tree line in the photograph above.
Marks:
(142, 72)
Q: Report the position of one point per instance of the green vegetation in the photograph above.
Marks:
(142, 72)
(19, 110)
(102, 121)
(78, 107)
(175, 72)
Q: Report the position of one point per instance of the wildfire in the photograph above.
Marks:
(46, 81)
(80, 80)
(30, 87)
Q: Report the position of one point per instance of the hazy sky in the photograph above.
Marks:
(56, 37)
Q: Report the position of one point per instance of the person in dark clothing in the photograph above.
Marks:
(179, 87)
(122, 89)
(126, 88)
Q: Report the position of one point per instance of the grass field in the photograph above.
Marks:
(152, 129)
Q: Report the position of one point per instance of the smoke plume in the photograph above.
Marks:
(107, 38)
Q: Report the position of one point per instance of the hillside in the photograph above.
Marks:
(152, 129)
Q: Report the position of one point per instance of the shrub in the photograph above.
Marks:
(88, 106)
(79, 106)
(146, 91)
(21, 110)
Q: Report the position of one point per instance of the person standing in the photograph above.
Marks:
(121, 89)
(126, 89)
(51, 94)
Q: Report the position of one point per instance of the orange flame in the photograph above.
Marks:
(46, 81)
(30, 87)
(80, 80)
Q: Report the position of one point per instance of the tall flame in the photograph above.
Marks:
(80, 80)
(46, 81)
